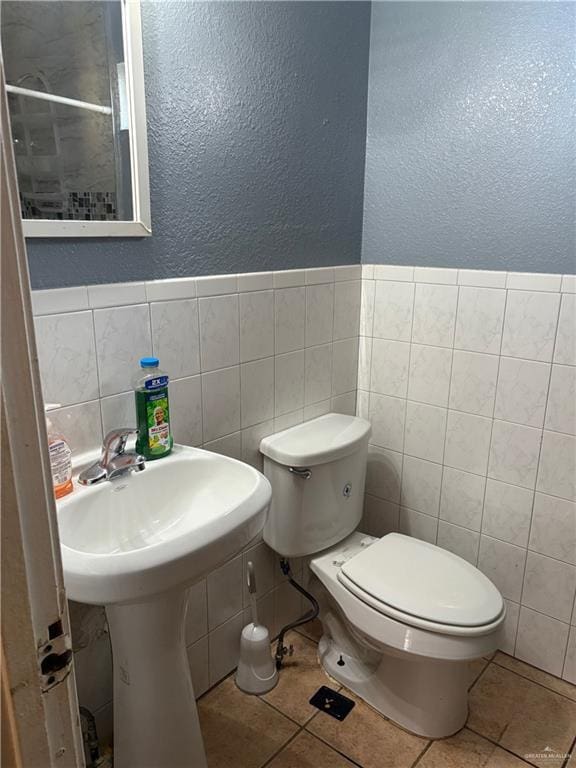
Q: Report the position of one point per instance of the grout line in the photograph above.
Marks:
(521, 604)
(403, 451)
(332, 339)
(199, 373)
(411, 342)
(306, 637)
(97, 366)
(280, 712)
(490, 441)
(571, 751)
(373, 310)
(371, 329)
(540, 554)
(476, 474)
(531, 679)
(467, 413)
(498, 744)
(331, 746)
(273, 369)
(424, 751)
(442, 471)
(218, 682)
(281, 749)
(479, 675)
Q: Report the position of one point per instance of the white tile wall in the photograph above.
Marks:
(561, 410)
(469, 380)
(248, 355)
(180, 353)
(119, 331)
(480, 316)
(257, 391)
(393, 309)
(522, 390)
(429, 379)
(541, 641)
(557, 470)
(346, 308)
(256, 325)
(434, 314)
(67, 359)
(461, 541)
(553, 530)
(565, 348)
(219, 332)
(420, 487)
(514, 453)
(288, 382)
(462, 498)
(507, 512)
(390, 360)
(317, 373)
(530, 325)
(290, 318)
(319, 314)
(473, 382)
(467, 442)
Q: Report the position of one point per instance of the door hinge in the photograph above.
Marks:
(55, 656)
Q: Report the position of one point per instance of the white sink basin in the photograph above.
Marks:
(148, 532)
(135, 545)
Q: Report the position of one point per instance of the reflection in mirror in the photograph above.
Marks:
(70, 110)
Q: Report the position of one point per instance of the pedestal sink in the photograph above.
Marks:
(135, 545)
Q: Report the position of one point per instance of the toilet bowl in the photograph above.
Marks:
(406, 649)
(401, 618)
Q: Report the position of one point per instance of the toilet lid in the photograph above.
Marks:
(419, 579)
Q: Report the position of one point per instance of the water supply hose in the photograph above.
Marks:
(281, 649)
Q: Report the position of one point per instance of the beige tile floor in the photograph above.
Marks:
(519, 716)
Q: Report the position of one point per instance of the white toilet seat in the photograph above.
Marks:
(417, 621)
(399, 632)
(423, 585)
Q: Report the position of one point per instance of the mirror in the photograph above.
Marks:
(75, 82)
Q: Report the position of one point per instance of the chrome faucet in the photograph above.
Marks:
(114, 460)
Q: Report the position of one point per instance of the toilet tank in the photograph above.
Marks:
(317, 472)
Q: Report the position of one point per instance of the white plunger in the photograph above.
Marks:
(256, 671)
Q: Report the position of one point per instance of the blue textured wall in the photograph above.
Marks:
(256, 130)
(470, 157)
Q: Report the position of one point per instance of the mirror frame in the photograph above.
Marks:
(140, 225)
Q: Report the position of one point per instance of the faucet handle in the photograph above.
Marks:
(112, 447)
(115, 442)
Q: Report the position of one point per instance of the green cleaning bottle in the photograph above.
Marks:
(152, 411)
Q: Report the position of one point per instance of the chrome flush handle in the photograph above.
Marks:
(303, 472)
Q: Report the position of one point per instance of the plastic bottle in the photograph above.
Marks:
(152, 410)
(60, 458)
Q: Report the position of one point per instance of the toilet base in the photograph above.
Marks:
(425, 696)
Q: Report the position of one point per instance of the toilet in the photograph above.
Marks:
(401, 618)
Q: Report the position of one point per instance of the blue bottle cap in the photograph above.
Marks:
(149, 362)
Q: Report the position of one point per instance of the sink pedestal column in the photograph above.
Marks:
(155, 717)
